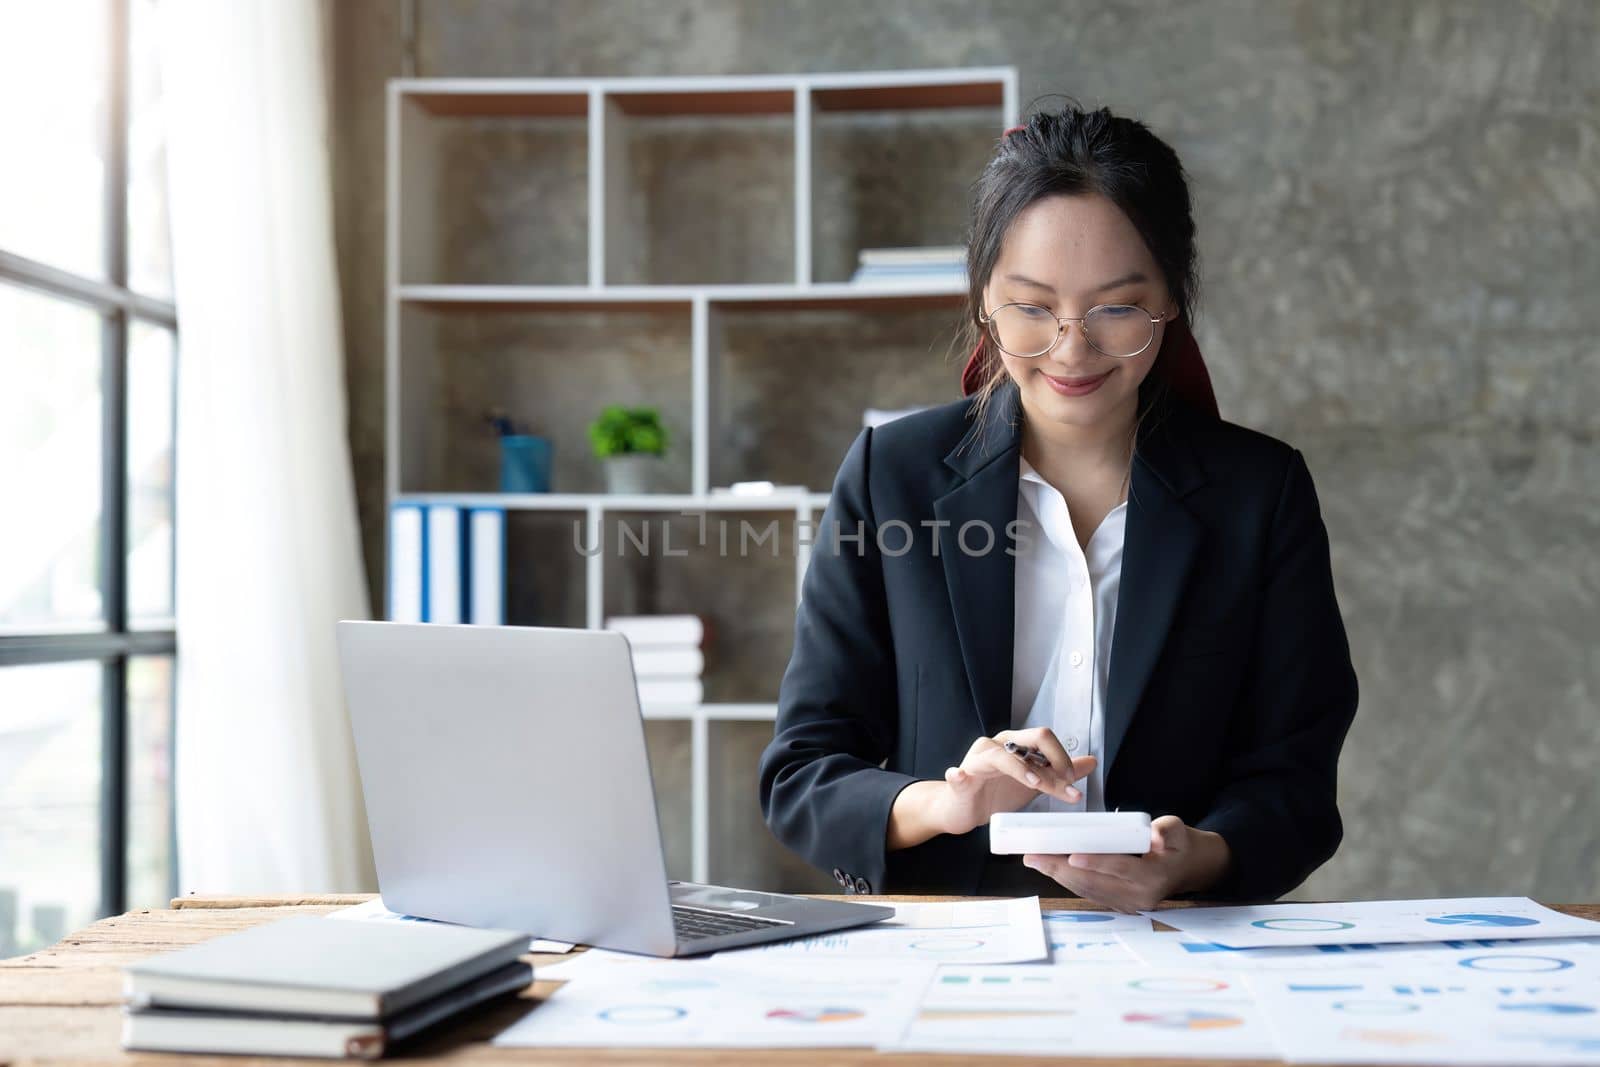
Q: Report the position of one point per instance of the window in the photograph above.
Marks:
(88, 374)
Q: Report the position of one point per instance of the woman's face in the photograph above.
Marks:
(1067, 254)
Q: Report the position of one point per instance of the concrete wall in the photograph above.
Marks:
(1397, 206)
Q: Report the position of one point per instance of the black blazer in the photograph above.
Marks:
(1230, 690)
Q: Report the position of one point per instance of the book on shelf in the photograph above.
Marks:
(446, 555)
(486, 567)
(919, 255)
(658, 691)
(668, 661)
(667, 656)
(408, 563)
(907, 275)
(447, 564)
(682, 631)
(308, 985)
(939, 263)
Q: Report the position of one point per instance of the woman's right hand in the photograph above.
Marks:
(991, 780)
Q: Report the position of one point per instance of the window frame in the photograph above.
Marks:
(118, 307)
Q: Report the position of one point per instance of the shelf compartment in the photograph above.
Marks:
(545, 574)
(698, 195)
(789, 387)
(552, 370)
(882, 178)
(746, 593)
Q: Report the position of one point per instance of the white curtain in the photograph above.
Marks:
(268, 551)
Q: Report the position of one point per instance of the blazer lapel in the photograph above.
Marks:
(1160, 543)
(981, 580)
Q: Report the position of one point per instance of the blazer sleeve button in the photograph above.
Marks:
(862, 886)
(838, 876)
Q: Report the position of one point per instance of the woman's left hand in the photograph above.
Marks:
(1181, 859)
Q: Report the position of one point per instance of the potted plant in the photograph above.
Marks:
(630, 442)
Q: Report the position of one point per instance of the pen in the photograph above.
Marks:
(1028, 755)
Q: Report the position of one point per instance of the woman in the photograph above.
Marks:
(1079, 558)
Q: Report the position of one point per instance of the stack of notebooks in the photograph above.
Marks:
(667, 660)
(911, 266)
(310, 986)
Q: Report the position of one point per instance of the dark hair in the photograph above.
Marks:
(1073, 151)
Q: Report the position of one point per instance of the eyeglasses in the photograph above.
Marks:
(1028, 330)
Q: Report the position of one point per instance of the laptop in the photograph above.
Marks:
(507, 785)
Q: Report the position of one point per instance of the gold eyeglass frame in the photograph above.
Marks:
(987, 319)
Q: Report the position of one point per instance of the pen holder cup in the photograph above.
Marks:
(525, 464)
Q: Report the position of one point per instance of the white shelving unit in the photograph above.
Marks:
(607, 106)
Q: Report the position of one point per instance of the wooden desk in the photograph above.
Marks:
(63, 1004)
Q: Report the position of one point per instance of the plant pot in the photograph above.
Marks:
(632, 473)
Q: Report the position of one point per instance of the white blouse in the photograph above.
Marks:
(1066, 607)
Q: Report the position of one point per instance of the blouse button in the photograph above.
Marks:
(1076, 658)
(1072, 744)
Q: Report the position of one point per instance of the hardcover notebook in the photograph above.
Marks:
(252, 1033)
(311, 965)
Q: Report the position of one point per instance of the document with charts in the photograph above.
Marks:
(1081, 936)
(1114, 1012)
(672, 1003)
(971, 931)
(1574, 957)
(1395, 1017)
(1375, 921)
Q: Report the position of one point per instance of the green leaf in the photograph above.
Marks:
(620, 430)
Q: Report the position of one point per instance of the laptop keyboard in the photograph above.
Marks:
(693, 923)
